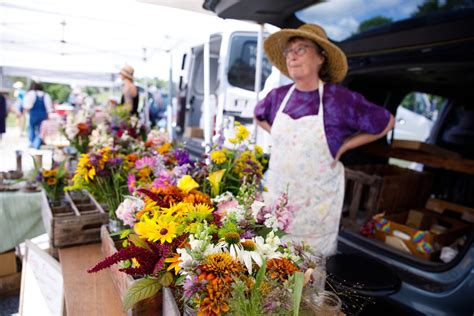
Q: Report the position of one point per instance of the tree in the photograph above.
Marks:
(429, 6)
(58, 92)
(373, 22)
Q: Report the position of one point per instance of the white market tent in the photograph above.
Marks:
(86, 41)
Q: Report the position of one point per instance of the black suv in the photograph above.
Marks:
(431, 55)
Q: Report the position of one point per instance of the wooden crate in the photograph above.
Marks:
(76, 223)
(372, 189)
(159, 304)
(10, 283)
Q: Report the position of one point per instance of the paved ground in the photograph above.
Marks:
(12, 141)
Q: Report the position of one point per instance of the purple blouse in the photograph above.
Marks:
(345, 112)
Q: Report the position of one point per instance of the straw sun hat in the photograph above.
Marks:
(335, 58)
(127, 71)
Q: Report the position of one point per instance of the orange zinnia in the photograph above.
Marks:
(281, 268)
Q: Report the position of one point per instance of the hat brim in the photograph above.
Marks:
(126, 74)
(335, 57)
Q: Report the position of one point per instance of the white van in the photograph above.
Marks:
(232, 68)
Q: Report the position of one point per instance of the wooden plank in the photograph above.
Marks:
(424, 147)
(86, 293)
(440, 206)
(355, 202)
(436, 161)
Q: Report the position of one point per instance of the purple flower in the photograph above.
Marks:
(191, 286)
(180, 171)
(115, 161)
(182, 157)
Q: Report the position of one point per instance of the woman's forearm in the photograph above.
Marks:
(364, 138)
(264, 125)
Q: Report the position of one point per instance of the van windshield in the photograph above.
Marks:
(242, 63)
(342, 19)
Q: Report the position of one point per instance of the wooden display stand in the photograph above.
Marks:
(122, 281)
(77, 222)
(87, 293)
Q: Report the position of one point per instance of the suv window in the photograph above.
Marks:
(416, 115)
(242, 62)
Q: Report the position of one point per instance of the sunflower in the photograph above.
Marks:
(281, 268)
(46, 173)
(84, 169)
(178, 210)
(51, 181)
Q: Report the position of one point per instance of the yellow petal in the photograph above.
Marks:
(187, 183)
(215, 179)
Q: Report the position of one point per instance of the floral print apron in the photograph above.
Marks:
(300, 164)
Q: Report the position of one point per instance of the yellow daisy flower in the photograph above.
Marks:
(156, 229)
(218, 157)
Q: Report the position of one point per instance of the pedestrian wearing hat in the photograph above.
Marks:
(313, 122)
(130, 96)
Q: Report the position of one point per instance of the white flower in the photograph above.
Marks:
(256, 207)
(268, 248)
(238, 212)
(271, 222)
(224, 197)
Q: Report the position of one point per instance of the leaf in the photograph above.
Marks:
(297, 291)
(137, 241)
(140, 290)
(124, 233)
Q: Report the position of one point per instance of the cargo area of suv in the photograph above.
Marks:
(409, 196)
(419, 222)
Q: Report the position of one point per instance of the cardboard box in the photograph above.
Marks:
(194, 132)
(7, 263)
(421, 231)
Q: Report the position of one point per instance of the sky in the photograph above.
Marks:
(103, 35)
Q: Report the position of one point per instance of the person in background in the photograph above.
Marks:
(313, 122)
(130, 95)
(38, 105)
(19, 94)
(3, 111)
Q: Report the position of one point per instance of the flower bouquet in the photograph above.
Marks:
(231, 168)
(53, 182)
(221, 256)
(77, 131)
(104, 174)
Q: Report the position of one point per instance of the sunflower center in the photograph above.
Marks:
(163, 231)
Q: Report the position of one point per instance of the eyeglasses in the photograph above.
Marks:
(298, 51)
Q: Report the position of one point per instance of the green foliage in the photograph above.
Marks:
(373, 22)
(58, 92)
(241, 303)
(430, 6)
(140, 290)
(91, 91)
